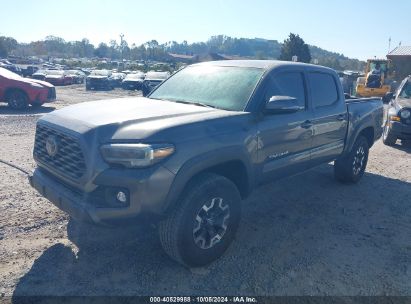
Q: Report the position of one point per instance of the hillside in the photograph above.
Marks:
(258, 48)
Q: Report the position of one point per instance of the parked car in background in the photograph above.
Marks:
(117, 79)
(133, 81)
(398, 119)
(29, 70)
(152, 80)
(39, 74)
(77, 76)
(19, 92)
(99, 79)
(58, 77)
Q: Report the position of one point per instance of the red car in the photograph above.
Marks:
(58, 77)
(19, 92)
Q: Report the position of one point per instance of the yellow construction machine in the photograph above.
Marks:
(378, 79)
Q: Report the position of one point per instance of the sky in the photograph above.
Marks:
(357, 28)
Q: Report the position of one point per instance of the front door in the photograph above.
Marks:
(285, 139)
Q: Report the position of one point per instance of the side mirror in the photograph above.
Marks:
(282, 104)
(387, 97)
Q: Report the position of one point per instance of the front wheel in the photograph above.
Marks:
(17, 100)
(203, 224)
(388, 138)
(350, 168)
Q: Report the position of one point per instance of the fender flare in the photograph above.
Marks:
(201, 163)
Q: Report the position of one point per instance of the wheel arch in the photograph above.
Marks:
(369, 134)
(12, 89)
(229, 163)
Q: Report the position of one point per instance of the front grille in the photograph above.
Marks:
(69, 159)
(51, 94)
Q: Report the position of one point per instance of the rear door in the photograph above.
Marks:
(330, 116)
(285, 139)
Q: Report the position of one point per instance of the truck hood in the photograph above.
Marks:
(54, 76)
(137, 118)
(97, 77)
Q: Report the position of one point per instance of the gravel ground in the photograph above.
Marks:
(304, 235)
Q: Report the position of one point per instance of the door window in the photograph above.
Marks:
(323, 89)
(287, 84)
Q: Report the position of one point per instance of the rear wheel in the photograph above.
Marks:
(202, 226)
(17, 100)
(350, 168)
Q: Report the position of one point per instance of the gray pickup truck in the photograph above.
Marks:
(199, 144)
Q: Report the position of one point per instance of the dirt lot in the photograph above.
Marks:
(305, 235)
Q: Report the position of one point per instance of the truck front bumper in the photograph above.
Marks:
(62, 197)
(147, 192)
(401, 130)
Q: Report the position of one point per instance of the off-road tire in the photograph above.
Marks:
(177, 230)
(388, 138)
(17, 99)
(346, 168)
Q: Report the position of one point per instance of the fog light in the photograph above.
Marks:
(121, 197)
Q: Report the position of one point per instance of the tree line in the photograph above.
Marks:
(256, 48)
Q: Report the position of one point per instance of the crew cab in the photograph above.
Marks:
(19, 92)
(199, 144)
(398, 119)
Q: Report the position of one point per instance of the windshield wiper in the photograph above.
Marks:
(196, 104)
(188, 102)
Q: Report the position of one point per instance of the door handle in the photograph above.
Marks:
(307, 124)
(341, 117)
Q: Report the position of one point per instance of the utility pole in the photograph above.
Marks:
(121, 47)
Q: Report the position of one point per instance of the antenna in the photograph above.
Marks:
(389, 45)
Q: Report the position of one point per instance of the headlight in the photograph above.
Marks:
(405, 114)
(35, 85)
(135, 155)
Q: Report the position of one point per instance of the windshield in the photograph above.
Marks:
(382, 65)
(117, 75)
(406, 91)
(227, 88)
(100, 73)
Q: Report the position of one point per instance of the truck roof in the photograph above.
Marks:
(260, 64)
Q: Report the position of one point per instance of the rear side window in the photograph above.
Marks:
(323, 89)
(287, 84)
